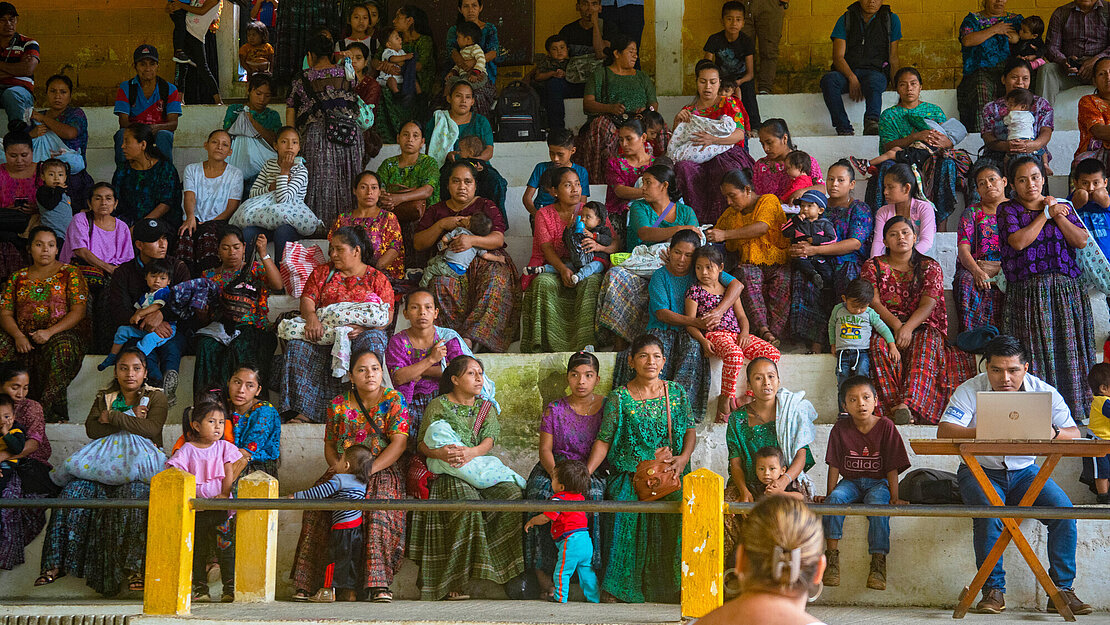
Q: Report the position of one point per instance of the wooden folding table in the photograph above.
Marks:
(1052, 451)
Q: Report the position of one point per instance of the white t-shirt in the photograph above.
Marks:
(213, 193)
(388, 54)
(961, 411)
(1019, 125)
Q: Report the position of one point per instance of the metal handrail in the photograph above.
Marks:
(521, 505)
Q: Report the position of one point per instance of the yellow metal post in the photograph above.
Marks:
(256, 542)
(169, 543)
(703, 558)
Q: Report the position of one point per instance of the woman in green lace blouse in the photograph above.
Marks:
(643, 548)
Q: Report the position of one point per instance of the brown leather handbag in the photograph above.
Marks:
(655, 479)
(411, 210)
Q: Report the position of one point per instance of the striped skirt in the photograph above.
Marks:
(539, 548)
(1051, 315)
(332, 168)
(975, 91)
(810, 308)
(216, 362)
(103, 546)
(595, 144)
(53, 365)
(622, 306)
(557, 318)
(383, 534)
(19, 526)
(975, 306)
(766, 297)
(483, 305)
(452, 548)
(700, 182)
(643, 549)
(924, 379)
(304, 376)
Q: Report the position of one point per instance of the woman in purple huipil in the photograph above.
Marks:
(568, 429)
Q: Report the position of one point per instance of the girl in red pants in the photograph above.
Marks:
(728, 339)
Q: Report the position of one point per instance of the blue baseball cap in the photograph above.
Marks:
(814, 197)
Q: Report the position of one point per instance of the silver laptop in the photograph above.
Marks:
(1013, 416)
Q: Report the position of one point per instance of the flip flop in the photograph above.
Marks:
(49, 578)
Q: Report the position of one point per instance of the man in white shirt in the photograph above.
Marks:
(1007, 366)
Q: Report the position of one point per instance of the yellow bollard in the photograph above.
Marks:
(703, 558)
(256, 542)
(169, 543)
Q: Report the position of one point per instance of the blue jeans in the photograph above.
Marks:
(870, 491)
(167, 357)
(587, 270)
(552, 92)
(148, 341)
(850, 363)
(1011, 487)
(575, 553)
(163, 139)
(834, 85)
(282, 235)
(16, 101)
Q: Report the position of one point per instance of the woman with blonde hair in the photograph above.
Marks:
(779, 562)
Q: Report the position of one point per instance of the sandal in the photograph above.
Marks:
(766, 335)
(135, 583)
(381, 595)
(49, 577)
(300, 595)
(456, 596)
(299, 419)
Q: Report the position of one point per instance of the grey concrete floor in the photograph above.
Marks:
(496, 612)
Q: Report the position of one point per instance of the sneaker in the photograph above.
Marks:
(818, 281)
(1102, 498)
(108, 361)
(200, 595)
(574, 279)
(871, 127)
(324, 595)
(861, 165)
(169, 385)
(845, 132)
(1077, 606)
(227, 598)
(832, 568)
(876, 579)
(179, 56)
(993, 602)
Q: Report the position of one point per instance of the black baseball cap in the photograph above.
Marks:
(145, 51)
(149, 230)
(7, 8)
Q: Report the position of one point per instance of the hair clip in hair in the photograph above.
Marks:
(782, 559)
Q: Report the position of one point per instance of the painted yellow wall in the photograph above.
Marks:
(928, 28)
(93, 41)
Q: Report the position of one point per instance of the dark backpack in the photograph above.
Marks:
(517, 114)
(161, 89)
(930, 486)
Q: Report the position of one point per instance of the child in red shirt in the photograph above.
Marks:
(569, 531)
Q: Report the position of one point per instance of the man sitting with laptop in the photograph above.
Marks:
(1043, 415)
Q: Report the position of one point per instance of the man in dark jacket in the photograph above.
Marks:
(128, 284)
(865, 50)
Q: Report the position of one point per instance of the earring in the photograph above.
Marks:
(735, 588)
(813, 596)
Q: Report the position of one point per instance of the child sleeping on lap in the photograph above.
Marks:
(481, 472)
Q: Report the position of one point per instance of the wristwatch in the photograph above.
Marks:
(1055, 432)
